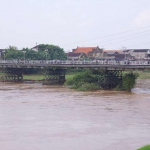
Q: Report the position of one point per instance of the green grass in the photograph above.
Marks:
(144, 75)
(38, 77)
(33, 77)
(147, 147)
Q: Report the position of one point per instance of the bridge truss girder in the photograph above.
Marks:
(109, 79)
(54, 76)
(13, 75)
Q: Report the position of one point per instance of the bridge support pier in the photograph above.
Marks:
(13, 75)
(109, 79)
(54, 76)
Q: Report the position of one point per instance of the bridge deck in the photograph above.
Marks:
(107, 65)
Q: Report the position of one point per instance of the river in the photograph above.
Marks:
(38, 117)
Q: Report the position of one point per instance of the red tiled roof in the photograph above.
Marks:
(85, 50)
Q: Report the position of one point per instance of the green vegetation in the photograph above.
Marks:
(45, 51)
(128, 82)
(83, 81)
(90, 81)
(33, 77)
(86, 80)
(144, 74)
(147, 147)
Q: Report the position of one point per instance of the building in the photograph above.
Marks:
(35, 48)
(139, 53)
(115, 55)
(96, 53)
(90, 52)
(110, 54)
(76, 56)
(2, 54)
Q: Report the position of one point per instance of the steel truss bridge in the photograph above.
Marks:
(110, 72)
(107, 65)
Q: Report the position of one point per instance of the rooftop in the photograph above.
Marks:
(85, 50)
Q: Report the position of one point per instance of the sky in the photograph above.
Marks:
(109, 24)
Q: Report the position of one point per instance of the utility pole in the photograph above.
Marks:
(124, 50)
(46, 51)
(24, 55)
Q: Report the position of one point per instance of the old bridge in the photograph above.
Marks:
(54, 70)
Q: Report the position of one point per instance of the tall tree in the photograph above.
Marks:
(52, 52)
(45, 51)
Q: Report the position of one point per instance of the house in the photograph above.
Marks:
(90, 52)
(116, 55)
(35, 48)
(2, 53)
(148, 54)
(76, 56)
(139, 53)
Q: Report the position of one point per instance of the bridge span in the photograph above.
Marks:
(105, 65)
(109, 72)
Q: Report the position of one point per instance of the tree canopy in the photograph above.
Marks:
(45, 51)
(53, 52)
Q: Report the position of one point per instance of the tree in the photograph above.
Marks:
(53, 52)
(33, 55)
(12, 52)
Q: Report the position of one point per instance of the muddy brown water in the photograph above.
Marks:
(38, 117)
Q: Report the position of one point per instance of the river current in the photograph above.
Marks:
(38, 117)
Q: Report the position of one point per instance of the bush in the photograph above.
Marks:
(129, 81)
(83, 81)
(89, 87)
(147, 147)
(95, 80)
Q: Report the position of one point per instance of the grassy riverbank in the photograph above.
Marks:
(40, 77)
(33, 77)
(144, 74)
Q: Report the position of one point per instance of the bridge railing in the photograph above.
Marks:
(68, 62)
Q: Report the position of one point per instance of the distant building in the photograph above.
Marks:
(35, 48)
(148, 54)
(76, 56)
(110, 54)
(2, 54)
(93, 53)
(90, 52)
(139, 53)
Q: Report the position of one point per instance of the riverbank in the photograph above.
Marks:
(144, 74)
(40, 77)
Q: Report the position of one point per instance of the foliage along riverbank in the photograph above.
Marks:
(73, 76)
(147, 147)
(90, 81)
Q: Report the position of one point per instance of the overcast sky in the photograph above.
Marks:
(109, 24)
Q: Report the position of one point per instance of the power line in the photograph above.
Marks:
(126, 36)
(123, 40)
(138, 44)
(106, 36)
